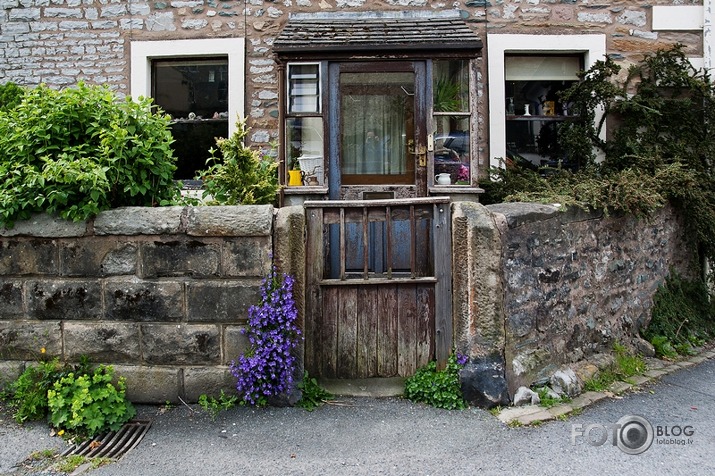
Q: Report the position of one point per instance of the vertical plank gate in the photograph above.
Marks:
(378, 287)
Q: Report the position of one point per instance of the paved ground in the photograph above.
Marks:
(395, 437)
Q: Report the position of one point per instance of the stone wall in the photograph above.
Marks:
(60, 42)
(161, 293)
(548, 288)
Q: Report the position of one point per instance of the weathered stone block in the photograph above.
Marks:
(247, 220)
(43, 225)
(24, 340)
(179, 258)
(209, 381)
(218, 301)
(64, 299)
(10, 299)
(235, 343)
(135, 300)
(484, 383)
(139, 221)
(102, 342)
(146, 384)
(28, 256)
(166, 344)
(9, 372)
(248, 256)
(97, 257)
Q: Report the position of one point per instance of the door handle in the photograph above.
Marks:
(419, 151)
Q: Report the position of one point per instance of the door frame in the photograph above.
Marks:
(418, 152)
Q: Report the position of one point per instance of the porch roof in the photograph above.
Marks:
(360, 32)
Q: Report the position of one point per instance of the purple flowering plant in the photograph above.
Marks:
(267, 368)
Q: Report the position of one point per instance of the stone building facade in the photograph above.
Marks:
(61, 42)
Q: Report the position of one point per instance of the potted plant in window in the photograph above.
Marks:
(294, 173)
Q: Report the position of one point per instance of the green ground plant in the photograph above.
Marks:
(239, 175)
(215, 405)
(28, 394)
(313, 395)
(81, 150)
(438, 388)
(683, 317)
(88, 404)
(626, 364)
(547, 400)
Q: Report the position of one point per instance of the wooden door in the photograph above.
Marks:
(360, 323)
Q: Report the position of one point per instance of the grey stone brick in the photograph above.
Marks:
(235, 343)
(136, 300)
(28, 257)
(246, 257)
(11, 298)
(246, 220)
(24, 340)
(195, 258)
(180, 344)
(209, 381)
(217, 301)
(102, 342)
(9, 372)
(64, 299)
(147, 384)
(139, 221)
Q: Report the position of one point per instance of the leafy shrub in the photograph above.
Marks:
(79, 151)
(659, 148)
(89, 404)
(439, 388)
(10, 96)
(683, 315)
(29, 391)
(239, 175)
(313, 395)
(267, 368)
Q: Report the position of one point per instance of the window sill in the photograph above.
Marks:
(305, 190)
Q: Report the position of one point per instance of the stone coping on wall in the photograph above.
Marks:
(234, 221)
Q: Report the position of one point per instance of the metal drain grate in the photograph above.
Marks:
(114, 444)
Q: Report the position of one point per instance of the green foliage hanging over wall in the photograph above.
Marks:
(660, 148)
(81, 150)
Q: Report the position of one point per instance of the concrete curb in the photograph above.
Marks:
(535, 414)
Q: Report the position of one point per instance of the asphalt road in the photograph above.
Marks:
(395, 437)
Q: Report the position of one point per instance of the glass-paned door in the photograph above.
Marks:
(379, 135)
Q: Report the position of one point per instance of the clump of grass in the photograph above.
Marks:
(626, 364)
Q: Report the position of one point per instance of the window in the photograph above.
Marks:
(588, 48)
(534, 110)
(200, 83)
(452, 118)
(194, 92)
(304, 123)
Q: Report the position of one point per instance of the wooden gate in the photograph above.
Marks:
(378, 287)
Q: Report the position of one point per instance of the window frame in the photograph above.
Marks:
(144, 52)
(592, 47)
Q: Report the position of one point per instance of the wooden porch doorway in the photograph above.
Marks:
(366, 322)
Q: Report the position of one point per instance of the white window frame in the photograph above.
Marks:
(143, 52)
(592, 47)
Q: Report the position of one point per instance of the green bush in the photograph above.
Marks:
(29, 391)
(312, 394)
(78, 151)
(89, 404)
(438, 388)
(683, 316)
(239, 176)
(659, 148)
(10, 96)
